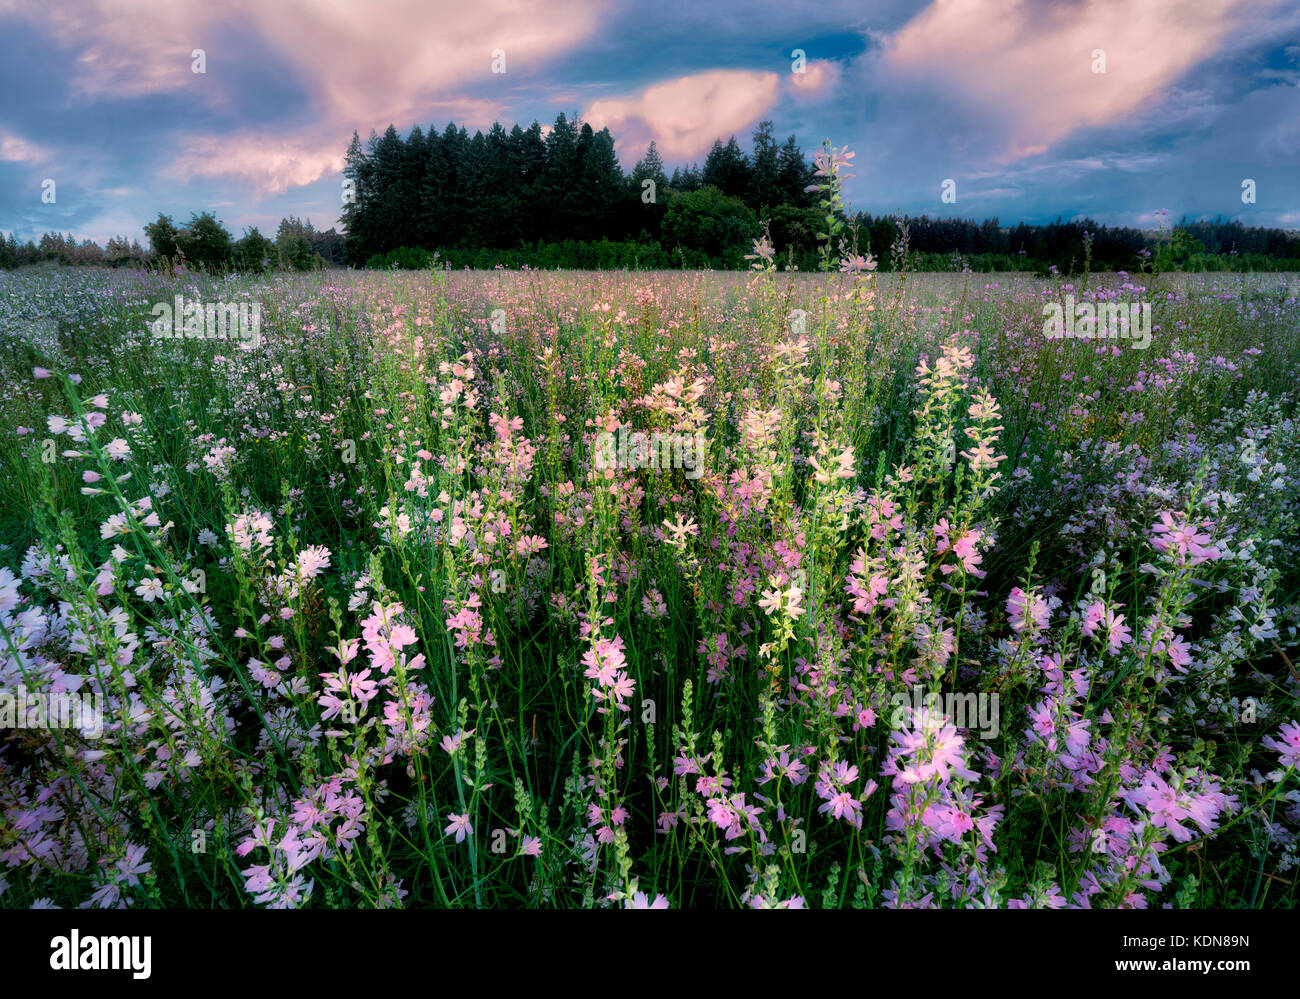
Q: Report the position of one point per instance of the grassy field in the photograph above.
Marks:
(386, 604)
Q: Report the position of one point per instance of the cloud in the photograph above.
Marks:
(997, 94)
(122, 49)
(16, 149)
(818, 78)
(684, 116)
(360, 65)
(397, 51)
(1280, 143)
(1027, 66)
(266, 166)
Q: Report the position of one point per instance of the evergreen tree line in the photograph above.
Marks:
(203, 243)
(522, 197)
(1068, 246)
(559, 198)
(522, 187)
(64, 249)
(706, 228)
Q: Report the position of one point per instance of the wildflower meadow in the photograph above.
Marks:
(467, 460)
(647, 590)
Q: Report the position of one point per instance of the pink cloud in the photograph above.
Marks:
(819, 77)
(1030, 66)
(16, 149)
(684, 116)
(398, 52)
(266, 166)
(123, 48)
(363, 65)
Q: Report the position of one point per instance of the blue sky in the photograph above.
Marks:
(1002, 96)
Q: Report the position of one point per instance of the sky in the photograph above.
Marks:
(1034, 109)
